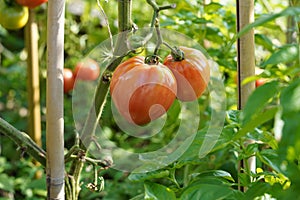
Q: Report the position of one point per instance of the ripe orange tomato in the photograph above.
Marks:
(87, 70)
(192, 73)
(69, 80)
(142, 92)
(31, 3)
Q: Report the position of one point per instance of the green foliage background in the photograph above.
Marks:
(272, 110)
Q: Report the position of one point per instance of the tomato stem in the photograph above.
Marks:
(159, 37)
(176, 53)
(157, 9)
(155, 21)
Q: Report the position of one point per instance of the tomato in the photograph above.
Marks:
(88, 70)
(31, 3)
(69, 80)
(142, 92)
(192, 73)
(259, 82)
(13, 16)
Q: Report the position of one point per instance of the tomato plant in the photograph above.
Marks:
(88, 70)
(69, 80)
(137, 88)
(31, 3)
(13, 16)
(192, 73)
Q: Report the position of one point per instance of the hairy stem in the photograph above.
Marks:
(24, 141)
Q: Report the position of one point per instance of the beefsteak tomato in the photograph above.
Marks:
(142, 92)
(13, 16)
(192, 73)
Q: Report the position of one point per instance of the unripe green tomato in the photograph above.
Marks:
(13, 16)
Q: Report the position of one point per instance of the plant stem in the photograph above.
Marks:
(186, 175)
(124, 15)
(155, 22)
(24, 141)
(121, 50)
(173, 177)
(157, 8)
(159, 37)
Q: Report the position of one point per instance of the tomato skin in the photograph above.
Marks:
(31, 3)
(69, 80)
(13, 17)
(192, 73)
(87, 70)
(136, 88)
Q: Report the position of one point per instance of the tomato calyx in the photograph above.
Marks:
(177, 54)
(152, 60)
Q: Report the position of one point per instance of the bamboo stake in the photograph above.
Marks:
(291, 36)
(33, 82)
(54, 102)
(246, 61)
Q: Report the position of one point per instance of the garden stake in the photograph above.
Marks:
(245, 64)
(55, 167)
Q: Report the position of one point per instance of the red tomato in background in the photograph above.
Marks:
(31, 3)
(69, 80)
(87, 70)
(259, 82)
(192, 73)
(142, 92)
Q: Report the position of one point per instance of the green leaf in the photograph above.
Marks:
(244, 179)
(201, 21)
(233, 115)
(190, 156)
(270, 158)
(285, 54)
(290, 98)
(289, 146)
(290, 11)
(258, 100)
(206, 192)
(138, 197)
(264, 41)
(6, 183)
(149, 175)
(212, 7)
(265, 137)
(256, 121)
(214, 173)
(173, 113)
(257, 189)
(154, 191)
